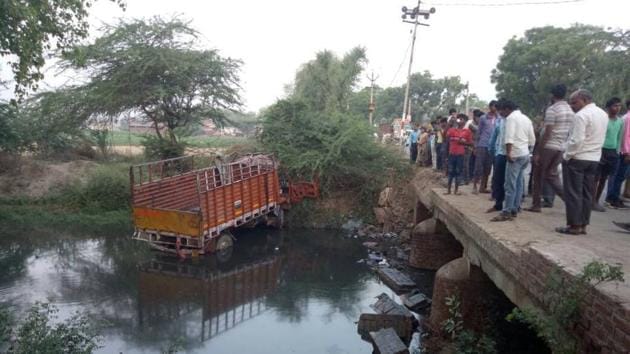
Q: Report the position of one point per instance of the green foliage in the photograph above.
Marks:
(563, 299)
(326, 83)
(10, 139)
(156, 148)
(51, 122)
(581, 56)
(101, 138)
(337, 147)
(314, 135)
(40, 332)
(106, 189)
(429, 97)
(454, 324)
(466, 341)
(30, 29)
(154, 68)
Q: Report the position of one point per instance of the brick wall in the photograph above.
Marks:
(431, 251)
(604, 325)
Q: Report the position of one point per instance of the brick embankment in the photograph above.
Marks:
(518, 256)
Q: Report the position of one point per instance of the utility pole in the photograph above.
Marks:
(371, 105)
(467, 94)
(415, 14)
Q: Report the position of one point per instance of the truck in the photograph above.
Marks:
(189, 205)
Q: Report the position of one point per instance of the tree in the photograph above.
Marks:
(580, 57)
(31, 29)
(154, 69)
(429, 97)
(315, 133)
(326, 83)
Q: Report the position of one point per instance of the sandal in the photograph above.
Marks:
(502, 217)
(533, 210)
(492, 210)
(566, 230)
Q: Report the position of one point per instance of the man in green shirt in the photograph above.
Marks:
(610, 150)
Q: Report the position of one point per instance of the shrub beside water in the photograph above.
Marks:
(98, 204)
(40, 332)
(106, 189)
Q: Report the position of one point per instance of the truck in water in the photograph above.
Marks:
(188, 205)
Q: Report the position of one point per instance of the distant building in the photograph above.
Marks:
(143, 128)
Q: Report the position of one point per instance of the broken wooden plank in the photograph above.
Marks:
(386, 341)
(395, 279)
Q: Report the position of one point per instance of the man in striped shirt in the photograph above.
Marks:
(548, 154)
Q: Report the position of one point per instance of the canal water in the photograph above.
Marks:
(294, 291)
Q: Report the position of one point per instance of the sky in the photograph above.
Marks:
(274, 37)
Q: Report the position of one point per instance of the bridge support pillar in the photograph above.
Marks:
(432, 246)
(469, 285)
(421, 212)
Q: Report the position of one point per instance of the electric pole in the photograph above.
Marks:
(415, 14)
(467, 94)
(371, 105)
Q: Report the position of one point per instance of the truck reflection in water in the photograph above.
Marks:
(227, 293)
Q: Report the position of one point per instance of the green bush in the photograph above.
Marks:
(40, 332)
(337, 147)
(157, 149)
(106, 189)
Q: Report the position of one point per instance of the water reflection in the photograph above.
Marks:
(169, 290)
(271, 295)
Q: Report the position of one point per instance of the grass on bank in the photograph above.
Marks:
(97, 204)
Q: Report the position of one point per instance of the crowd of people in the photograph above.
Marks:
(576, 152)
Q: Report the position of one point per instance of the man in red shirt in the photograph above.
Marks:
(458, 138)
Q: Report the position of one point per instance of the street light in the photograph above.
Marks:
(414, 14)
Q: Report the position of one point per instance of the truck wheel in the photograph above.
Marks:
(224, 246)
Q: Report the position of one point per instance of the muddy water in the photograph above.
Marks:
(278, 292)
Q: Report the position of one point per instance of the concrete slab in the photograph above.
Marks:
(386, 341)
(605, 242)
(415, 301)
(395, 279)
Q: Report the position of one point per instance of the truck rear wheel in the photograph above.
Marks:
(224, 246)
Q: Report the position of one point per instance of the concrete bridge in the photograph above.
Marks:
(518, 255)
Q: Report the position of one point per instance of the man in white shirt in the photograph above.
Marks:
(581, 160)
(519, 139)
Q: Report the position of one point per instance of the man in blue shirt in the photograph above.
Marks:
(496, 148)
(483, 163)
(413, 144)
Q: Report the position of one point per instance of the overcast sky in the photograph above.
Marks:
(274, 37)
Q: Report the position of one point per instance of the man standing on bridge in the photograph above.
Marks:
(483, 159)
(581, 161)
(549, 150)
(413, 145)
(519, 138)
(458, 138)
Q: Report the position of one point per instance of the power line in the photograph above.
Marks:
(401, 64)
(504, 4)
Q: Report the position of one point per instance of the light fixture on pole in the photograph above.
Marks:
(414, 14)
